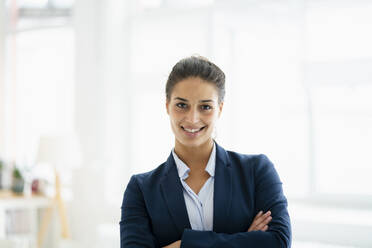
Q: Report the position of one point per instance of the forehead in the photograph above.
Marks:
(195, 89)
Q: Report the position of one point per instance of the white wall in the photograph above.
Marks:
(2, 76)
(100, 95)
(87, 208)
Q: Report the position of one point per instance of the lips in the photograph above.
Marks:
(192, 131)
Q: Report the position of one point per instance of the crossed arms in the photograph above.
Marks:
(267, 230)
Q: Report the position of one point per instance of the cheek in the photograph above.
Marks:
(174, 116)
(211, 117)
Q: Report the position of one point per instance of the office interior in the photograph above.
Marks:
(298, 89)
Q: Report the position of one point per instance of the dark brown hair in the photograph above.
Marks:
(196, 66)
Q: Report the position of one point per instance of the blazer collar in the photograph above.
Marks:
(172, 192)
(222, 190)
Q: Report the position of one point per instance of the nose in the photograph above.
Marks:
(193, 115)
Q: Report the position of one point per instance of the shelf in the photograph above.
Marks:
(26, 228)
(9, 200)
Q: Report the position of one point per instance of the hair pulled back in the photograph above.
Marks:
(196, 66)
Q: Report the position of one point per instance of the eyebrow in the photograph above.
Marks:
(185, 100)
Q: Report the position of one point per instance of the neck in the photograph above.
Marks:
(196, 157)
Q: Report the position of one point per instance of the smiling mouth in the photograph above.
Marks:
(192, 130)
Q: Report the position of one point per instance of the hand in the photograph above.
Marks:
(176, 244)
(260, 222)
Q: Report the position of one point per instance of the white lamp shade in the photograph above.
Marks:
(63, 152)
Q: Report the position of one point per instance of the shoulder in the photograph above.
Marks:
(141, 186)
(151, 177)
(256, 161)
(258, 165)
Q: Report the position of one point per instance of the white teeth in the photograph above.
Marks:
(192, 130)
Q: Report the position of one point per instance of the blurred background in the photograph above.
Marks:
(299, 89)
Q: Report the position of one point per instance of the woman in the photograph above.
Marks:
(203, 195)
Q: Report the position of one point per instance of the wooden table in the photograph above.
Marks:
(32, 203)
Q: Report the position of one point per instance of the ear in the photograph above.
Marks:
(220, 108)
(167, 106)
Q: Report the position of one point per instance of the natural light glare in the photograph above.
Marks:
(298, 89)
(343, 138)
(44, 88)
(338, 32)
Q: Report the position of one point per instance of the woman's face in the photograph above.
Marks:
(193, 110)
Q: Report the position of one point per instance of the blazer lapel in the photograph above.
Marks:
(172, 192)
(222, 191)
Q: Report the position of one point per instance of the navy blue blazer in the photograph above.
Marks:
(154, 214)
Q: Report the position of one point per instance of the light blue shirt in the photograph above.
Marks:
(199, 206)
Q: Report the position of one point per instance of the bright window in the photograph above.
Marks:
(39, 72)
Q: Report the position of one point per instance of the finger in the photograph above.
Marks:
(264, 223)
(268, 213)
(261, 218)
(264, 229)
(255, 222)
(258, 215)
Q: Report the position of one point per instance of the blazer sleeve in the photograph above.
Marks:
(135, 226)
(268, 196)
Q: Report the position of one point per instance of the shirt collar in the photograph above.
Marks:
(183, 169)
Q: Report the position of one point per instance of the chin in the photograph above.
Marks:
(193, 142)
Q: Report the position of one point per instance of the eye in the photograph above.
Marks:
(206, 107)
(181, 105)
